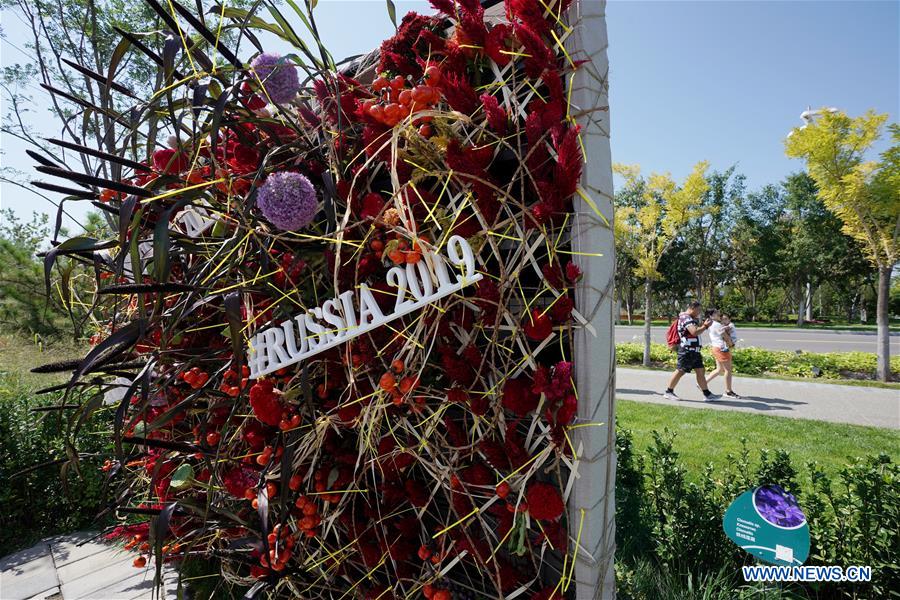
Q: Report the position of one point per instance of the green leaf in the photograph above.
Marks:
(392, 12)
(182, 476)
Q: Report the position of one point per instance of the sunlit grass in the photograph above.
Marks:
(707, 436)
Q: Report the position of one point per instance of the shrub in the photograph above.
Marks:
(670, 526)
(759, 361)
(46, 500)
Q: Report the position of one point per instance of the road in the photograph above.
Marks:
(808, 340)
(874, 407)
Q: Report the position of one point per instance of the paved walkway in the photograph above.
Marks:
(875, 407)
(60, 569)
(772, 338)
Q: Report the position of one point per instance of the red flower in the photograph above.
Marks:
(496, 45)
(569, 164)
(561, 311)
(373, 204)
(573, 272)
(237, 481)
(518, 396)
(548, 593)
(169, 161)
(544, 501)
(488, 299)
(265, 403)
(496, 116)
(243, 159)
(538, 325)
(553, 275)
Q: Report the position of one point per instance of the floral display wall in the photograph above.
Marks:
(336, 326)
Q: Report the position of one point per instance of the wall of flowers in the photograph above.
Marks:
(335, 322)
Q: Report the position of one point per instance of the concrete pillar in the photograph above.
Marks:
(592, 501)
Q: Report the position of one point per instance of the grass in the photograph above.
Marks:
(707, 436)
(18, 355)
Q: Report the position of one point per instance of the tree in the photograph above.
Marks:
(75, 46)
(756, 246)
(650, 217)
(707, 238)
(864, 194)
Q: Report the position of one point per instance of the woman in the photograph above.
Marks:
(722, 335)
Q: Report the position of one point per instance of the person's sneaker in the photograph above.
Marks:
(711, 398)
(731, 395)
(671, 396)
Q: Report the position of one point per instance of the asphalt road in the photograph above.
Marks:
(808, 340)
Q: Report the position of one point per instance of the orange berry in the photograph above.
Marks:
(295, 482)
(441, 595)
(397, 366)
(397, 257)
(433, 75)
(139, 562)
(413, 257)
(388, 382)
(407, 384)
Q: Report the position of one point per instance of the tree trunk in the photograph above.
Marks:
(629, 305)
(801, 304)
(809, 301)
(647, 318)
(882, 318)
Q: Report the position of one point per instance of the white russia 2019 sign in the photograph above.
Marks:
(341, 319)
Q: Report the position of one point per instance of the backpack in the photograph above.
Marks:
(673, 340)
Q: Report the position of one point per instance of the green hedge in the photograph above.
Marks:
(758, 361)
(42, 502)
(669, 537)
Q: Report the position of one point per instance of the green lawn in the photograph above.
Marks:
(706, 435)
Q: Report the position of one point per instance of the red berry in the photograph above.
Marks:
(139, 562)
(433, 75)
(503, 489)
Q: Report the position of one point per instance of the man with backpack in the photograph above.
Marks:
(684, 336)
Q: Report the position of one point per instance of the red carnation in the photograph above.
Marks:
(237, 481)
(518, 396)
(538, 325)
(265, 403)
(167, 160)
(544, 501)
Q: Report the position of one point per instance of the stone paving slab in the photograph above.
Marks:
(77, 567)
(28, 574)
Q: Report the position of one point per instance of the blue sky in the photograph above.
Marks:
(722, 81)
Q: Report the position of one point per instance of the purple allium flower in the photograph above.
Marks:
(288, 200)
(278, 76)
(777, 506)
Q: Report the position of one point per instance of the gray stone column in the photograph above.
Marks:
(592, 501)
